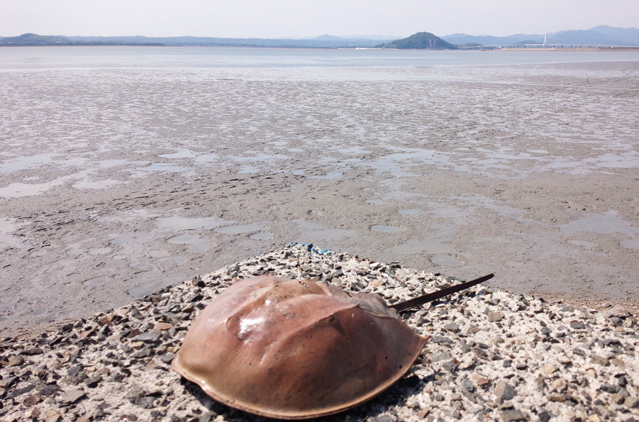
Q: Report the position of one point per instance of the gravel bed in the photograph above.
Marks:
(492, 355)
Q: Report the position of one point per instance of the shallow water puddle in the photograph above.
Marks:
(95, 281)
(445, 260)
(239, 229)
(7, 227)
(166, 167)
(206, 158)
(605, 223)
(411, 212)
(583, 243)
(190, 223)
(630, 244)
(185, 153)
(262, 236)
(28, 162)
(329, 176)
(19, 190)
(195, 244)
(257, 157)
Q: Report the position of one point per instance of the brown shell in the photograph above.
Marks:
(295, 349)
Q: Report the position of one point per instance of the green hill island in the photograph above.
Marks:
(421, 41)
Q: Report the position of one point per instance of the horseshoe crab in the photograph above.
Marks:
(297, 349)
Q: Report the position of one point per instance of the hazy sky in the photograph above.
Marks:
(308, 18)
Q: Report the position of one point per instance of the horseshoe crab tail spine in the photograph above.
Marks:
(429, 297)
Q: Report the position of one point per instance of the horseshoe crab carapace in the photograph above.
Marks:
(297, 349)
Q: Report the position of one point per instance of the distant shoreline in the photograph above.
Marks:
(630, 49)
(482, 48)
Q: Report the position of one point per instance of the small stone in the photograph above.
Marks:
(87, 333)
(545, 416)
(373, 283)
(599, 360)
(20, 391)
(467, 362)
(31, 400)
(452, 327)
(134, 395)
(631, 402)
(93, 382)
(135, 313)
(577, 325)
(441, 340)
(72, 396)
(198, 282)
(513, 415)
(617, 398)
(50, 390)
(85, 418)
(557, 398)
(618, 362)
(610, 388)
(467, 385)
(483, 382)
(35, 413)
(15, 360)
(559, 385)
(163, 326)
(142, 353)
(473, 329)
(382, 418)
(52, 415)
(167, 358)
(494, 316)
(578, 351)
(74, 370)
(548, 369)
(106, 319)
(436, 357)
(504, 391)
(565, 360)
(148, 337)
(8, 382)
(610, 342)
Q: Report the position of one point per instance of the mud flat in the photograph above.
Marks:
(118, 182)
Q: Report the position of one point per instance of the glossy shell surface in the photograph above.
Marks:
(295, 349)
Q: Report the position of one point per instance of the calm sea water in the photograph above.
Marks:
(46, 58)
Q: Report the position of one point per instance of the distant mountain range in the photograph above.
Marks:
(324, 41)
(597, 36)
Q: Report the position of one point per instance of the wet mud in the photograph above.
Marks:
(117, 182)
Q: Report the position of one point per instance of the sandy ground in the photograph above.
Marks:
(117, 182)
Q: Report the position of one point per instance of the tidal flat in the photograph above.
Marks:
(117, 181)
